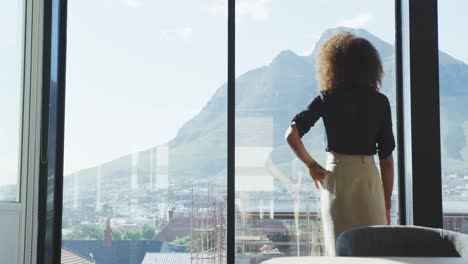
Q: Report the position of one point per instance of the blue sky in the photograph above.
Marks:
(138, 69)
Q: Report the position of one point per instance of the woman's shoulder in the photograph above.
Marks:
(381, 102)
(323, 94)
(381, 96)
(376, 95)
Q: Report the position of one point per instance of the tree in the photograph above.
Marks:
(86, 232)
(183, 240)
(207, 240)
(131, 235)
(116, 234)
(147, 232)
(96, 232)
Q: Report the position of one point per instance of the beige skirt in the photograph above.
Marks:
(352, 196)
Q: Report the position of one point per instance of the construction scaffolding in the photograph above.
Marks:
(208, 228)
(260, 237)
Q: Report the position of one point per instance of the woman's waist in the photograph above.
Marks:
(335, 158)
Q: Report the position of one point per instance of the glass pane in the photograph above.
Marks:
(11, 52)
(146, 131)
(277, 41)
(453, 76)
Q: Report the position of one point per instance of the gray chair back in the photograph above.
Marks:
(401, 241)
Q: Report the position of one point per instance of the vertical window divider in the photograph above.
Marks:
(422, 117)
(400, 114)
(52, 132)
(231, 210)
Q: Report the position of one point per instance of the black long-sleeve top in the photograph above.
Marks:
(357, 121)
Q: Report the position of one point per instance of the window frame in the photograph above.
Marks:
(231, 132)
(420, 113)
(417, 88)
(52, 124)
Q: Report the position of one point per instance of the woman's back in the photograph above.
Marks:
(357, 121)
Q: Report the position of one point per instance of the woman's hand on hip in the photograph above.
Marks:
(317, 172)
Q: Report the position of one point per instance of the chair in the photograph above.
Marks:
(401, 241)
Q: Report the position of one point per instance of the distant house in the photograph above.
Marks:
(166, 258)
(180, 226)
(126, 227)
(69, 257)
(178, 258)
(177, 227)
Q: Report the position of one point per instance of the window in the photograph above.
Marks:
(277, 205)
(146, 129)
(453, 79)
(11, 52)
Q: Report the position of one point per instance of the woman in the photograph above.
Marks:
(358, 125)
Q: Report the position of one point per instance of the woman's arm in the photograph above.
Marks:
(296, 144)
(316, 171)
(386, 168)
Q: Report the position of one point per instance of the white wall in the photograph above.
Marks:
(10, 233)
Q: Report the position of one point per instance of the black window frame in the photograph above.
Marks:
(417, 88)
(52, 124)
(418, 91)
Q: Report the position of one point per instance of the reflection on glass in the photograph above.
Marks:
(453, 79)
(145, 143)
(277, 205)
(11, 47)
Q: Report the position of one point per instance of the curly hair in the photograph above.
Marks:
(349, 61)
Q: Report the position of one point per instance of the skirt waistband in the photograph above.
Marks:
(333, 157)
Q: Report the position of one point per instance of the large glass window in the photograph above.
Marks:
(277, 205)
(146, 131)
(453, 79)
(11, 52)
